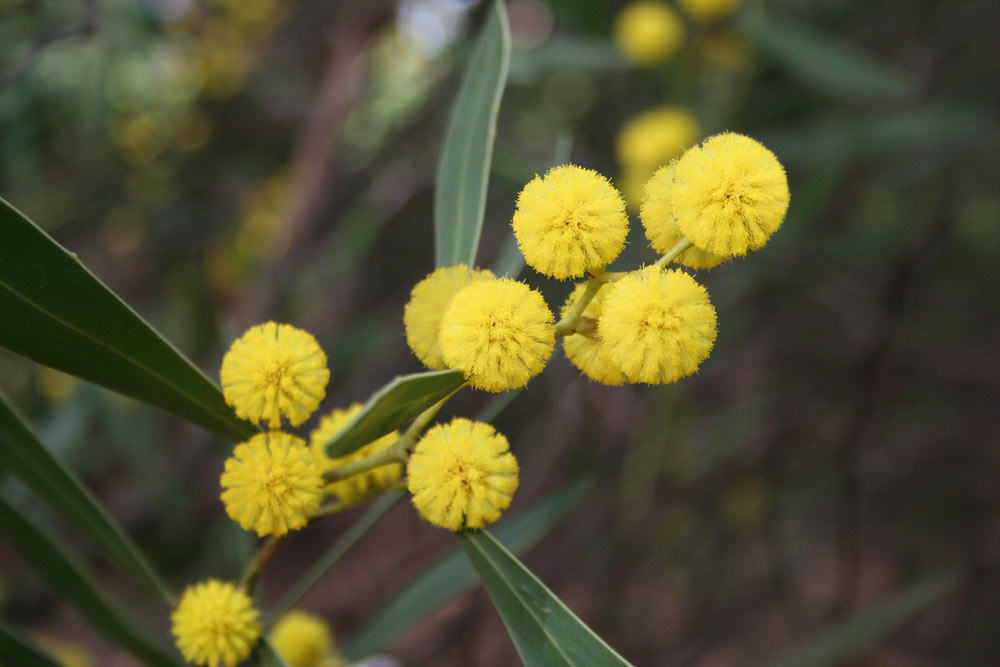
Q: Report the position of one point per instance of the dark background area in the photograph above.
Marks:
(223, 163)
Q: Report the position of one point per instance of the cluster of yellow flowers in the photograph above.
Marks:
(721, 199)
(649, 32)
(461, 475)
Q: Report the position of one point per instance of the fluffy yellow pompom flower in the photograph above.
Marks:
(658, 326)
(274, 370)
(499, 333)
(657, 214)
(587, 352)
(302, 640)
(655, 137)
(428, 301)
(729, 194)
(272, 483)
(215, 624)
(462, 474)
(364, 484)
(648, 32)
(708, 10)
(570, 221)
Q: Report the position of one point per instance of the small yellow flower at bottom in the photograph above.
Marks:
(500, 333)
(588, 353)
(729, 194)
(658, 326)
(462, 475)
(272, 483)
(303, 640)
(274, 370)
(657, 214)
(648, 32)
(428, 301)
(215, 624)
(362, 485)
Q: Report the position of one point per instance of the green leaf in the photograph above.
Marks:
(859, 635)
(332, 556)
(392, 406)
(266, 656)
(58, 313)
(16, 650)
(23, 455)
(68, 579)
(464, 167)
(544, 630)
(822, 61)
(452, 575)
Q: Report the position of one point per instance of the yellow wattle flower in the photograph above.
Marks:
(570, 221)
(462, 475)
(655, 137)
(708, 10)
(215, 624)
(362, 485)
(729, 194)
(303, 640)
(657, 215)
(588, 353)
(428, 301)
(274, 370)
(272, 483)
(648, 32)
(657, 325)
(499, 333)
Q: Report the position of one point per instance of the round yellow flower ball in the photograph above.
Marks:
(215, 624)
(657, 215)
(274, 371)
(587, 352)
(706, 11)
(357, 487)
(462, 475)
(301, 639)
(272, 484)
(569, 222)
(658, 326)
(648, 32)
(729, 194)
(655, 137)
(428, 301)
(499, 333)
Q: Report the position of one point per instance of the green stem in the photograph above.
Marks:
(259, 562)
(398, 452)
(681, 246)
(567, 325)
(349, 539)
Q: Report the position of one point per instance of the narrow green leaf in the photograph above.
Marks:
(392, 406)
(16, 650)
(24, 456)
(68, 579)
(266, 656)
(464, 167)
(331, 556)
(544, 630)
(452, 575)
(858, 636)
(58, 313)
(822, 61)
